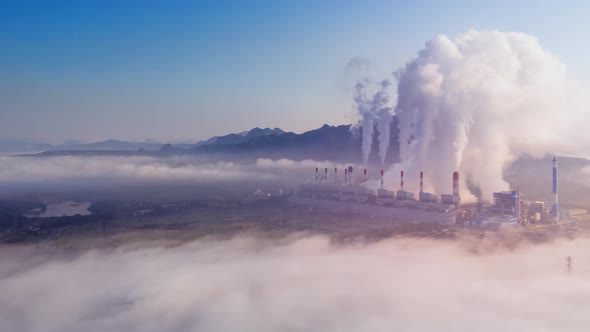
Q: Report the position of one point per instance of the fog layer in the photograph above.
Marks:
(108, 170)
(303, 284)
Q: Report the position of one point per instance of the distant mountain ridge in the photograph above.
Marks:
(115, 145)
(12, 145)
(335, 143)
(236, 138)
(16, 146)
(8, 145)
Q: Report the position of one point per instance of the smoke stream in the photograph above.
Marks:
(367, 118)
(374, 112)
(384, 133)
(372, 104)
(479, 101)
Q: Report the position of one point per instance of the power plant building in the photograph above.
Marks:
(506, 202)
(352, 195)
(405, 195)
(423, 196)
(428, 197)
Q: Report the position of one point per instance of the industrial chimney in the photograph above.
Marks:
(317, 176)
(421, 182)
(402, 180)
(516, 195)
(456, 184)
(345, 175)
(365, 175)
(326, 174)
(555, 208)
(456, 195)
(381, 179)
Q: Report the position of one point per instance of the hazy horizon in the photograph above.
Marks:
(456, 199)
(151, 140)
(188, 71)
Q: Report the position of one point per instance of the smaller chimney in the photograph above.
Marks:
(421, 182)
(381, 179)
(326, 174)
(517, 205)
(317, 176)
(335, 174)
(345, 175)
(402, 180)
(365, 175)
(555, 206)
(456, 188)
(456, 183)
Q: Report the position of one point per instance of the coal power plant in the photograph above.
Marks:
(353, 194)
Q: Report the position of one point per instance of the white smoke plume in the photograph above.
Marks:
(477, 102)
(384, 127)
(374, 110)
(296, 284)
(358, 65)
(367, 119)
(372, 104)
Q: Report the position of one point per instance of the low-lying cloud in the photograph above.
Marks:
(299, 284)
(108, 170)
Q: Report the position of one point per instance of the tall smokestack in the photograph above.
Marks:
(365, 175)
(402, 180)
(456, 188)
(350, 175)
(381, 179)
(421, 182)
(517, 205)
(555, 208)
(335, 174)
(345, 175)
(317, 176)
(456, 183)
(326, 174)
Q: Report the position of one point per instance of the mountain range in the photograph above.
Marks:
(12, 145)
(19, 146)
(234, 138)
(336, 143)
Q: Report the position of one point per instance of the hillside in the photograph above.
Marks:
(334, 143)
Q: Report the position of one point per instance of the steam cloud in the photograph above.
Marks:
(373, 109)
(477, 102)
(298, 284)
(112, 170)
(384, 126)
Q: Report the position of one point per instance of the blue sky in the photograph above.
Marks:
(178, 70)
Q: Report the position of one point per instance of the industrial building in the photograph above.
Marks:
(506, 202)
(350, 195)
(510, 206)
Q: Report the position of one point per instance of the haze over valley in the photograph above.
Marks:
(294, 166)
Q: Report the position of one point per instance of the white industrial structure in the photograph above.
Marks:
(352, 196)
